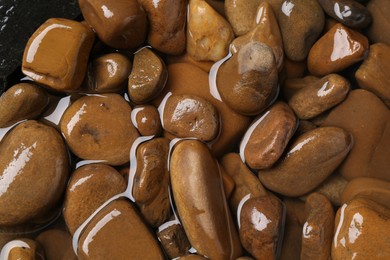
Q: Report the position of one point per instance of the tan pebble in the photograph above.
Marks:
(241, 14)
(22, 249)
(146, 119)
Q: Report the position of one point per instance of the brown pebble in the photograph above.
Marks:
(22, 249)
(108, 73)
(261, 223)
(190, 116)
(99, 128)
(148, 77)
(336, 50)
(56, 55)
(379, 10)
(57, 244)
(241, 14)
(88, 188)
(373, 75)
(151, 180)
(319, 97)
(146, 119)
(272, 131)
(119, 24)
(22, 101)
(311, 158)
(33, 173)
(174, 240)
(167, 20)
(301, 23)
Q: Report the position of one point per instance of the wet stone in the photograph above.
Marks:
(240, 14)
(22, 249)
(146, 119)
(174, 240)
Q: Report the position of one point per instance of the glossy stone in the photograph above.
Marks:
(369, 188)
(99, 128)
(358, 222)
(150, 184)
(241, 14)
(317, 231)
(366, 117)
(348, 12)
(320, 96)
(379, 10)
(261, 223)
(148, 76)
(266, 139)
(33, 173)
(190, 116)
(56, 55)
(336, 50)
(174, 240)
(146, 119)
(248, 81)
(301, 23)
(22, 249)
(22, 101)
(88, 188)
(373, 75)
(246, 183)
(118, 232)
(57, 244)
(108, 73)
(208, 33)
(120, 24)
(311, 158)
(197, 190)
(167, 20)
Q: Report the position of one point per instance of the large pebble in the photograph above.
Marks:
(167, 20)
(99, 128)
(198, 191)
(150, 184)
(208, 33)
(261, 226)
(336, 50)
(248, 81)
(301, 23)
(241, 14)
(348, 12)
(56, 55)
(148, 77)
(33, 172)
(268, 136)
(88, 188)
(119, 24)
(57, 244)
(373, 73)
(190, 116)
(362, 231)
(317, 231)
(118, 232)
(309, 160)
(366, 117)
(320, 96)
(379, 10)
(22, 101)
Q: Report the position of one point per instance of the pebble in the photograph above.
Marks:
(87, 126)
(366, 117)
(261, 224)
(379, 10)
(56, 55)
(22, 101)
(199, 192)
(148, 76)
(22, 249)
(174, 240)
(272, 131)
(310, 159)
(88, 188)
(118, 232)
(301, 23)
(319, 96)
(208, 33)
(146, 119)
(333, 188)
(119, 24)
(167, 22)
(336, 50)
(27, 193)
(348, 12)
(373, 75)
(361, 231)
(57, 245)
(241, 14)
(151, 180)
(108, 73)
(190, 116)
